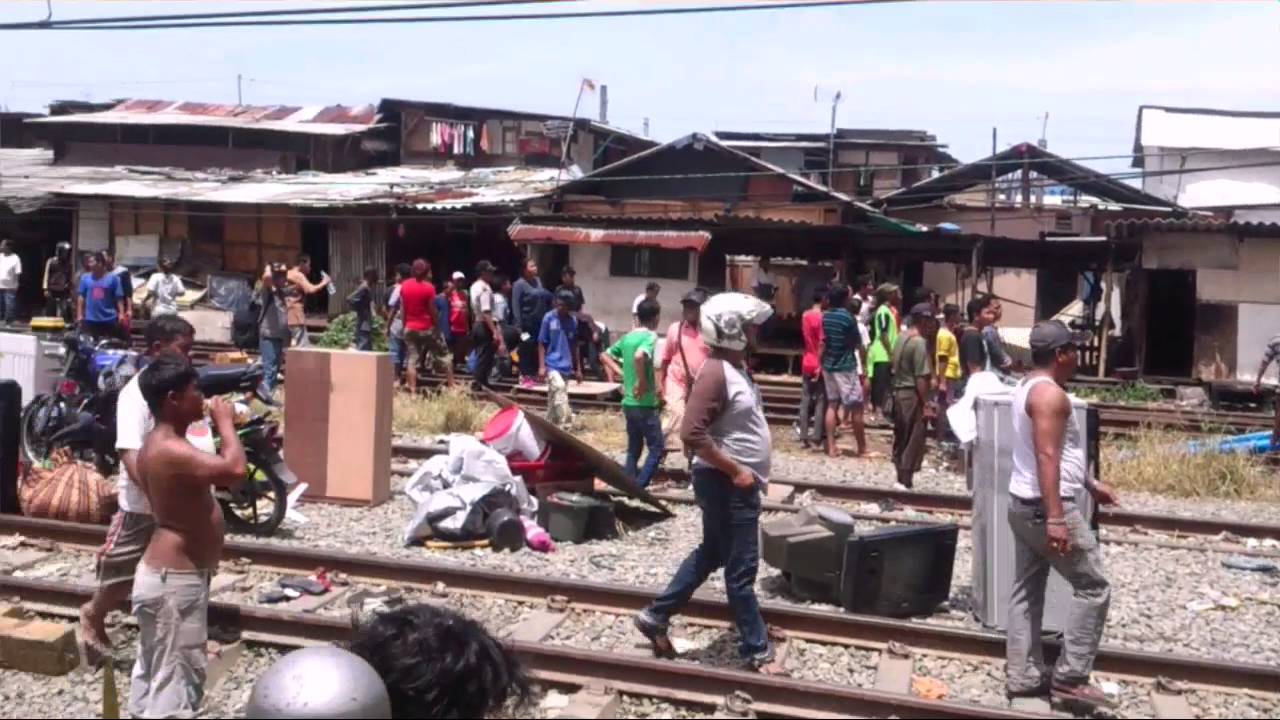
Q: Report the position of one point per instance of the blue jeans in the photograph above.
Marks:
(730, 539)
(364, 340)
(271, 350)
(8, 305)
(644, 425)
(397, 353)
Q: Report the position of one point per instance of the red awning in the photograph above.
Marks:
(695, 240)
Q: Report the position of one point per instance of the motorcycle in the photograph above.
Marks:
(258, 505)
(93, 373)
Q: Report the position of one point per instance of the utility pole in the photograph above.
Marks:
(239, 90)
(604, 104)
(831, 145)
(646, 127)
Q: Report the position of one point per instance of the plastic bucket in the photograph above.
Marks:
(510, 434)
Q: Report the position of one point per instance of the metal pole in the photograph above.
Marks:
(239, 90)
(568, 133)
(604, 104)
(831, 145)
(1106, 309)
(992, 192)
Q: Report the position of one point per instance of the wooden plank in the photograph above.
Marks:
(1170, 705)
(893, 674)
(22, 558)
(281, 228)
(124, 220)
(150, 218)
(592, 704)
(176, 225)
(537, 626)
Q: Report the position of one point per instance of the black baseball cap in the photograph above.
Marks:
(484, 266)
(1054, 334)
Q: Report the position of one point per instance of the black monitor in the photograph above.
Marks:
(898, 571)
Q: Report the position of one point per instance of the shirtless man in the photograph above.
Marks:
(171, 586)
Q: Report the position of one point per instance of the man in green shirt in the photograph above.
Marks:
(912, 368)
(633, 358)
(884, 336)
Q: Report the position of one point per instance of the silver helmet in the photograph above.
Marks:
(726, 317)
(319, 682)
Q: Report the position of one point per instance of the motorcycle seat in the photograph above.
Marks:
(225, 379)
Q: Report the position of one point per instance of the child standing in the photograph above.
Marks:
(634, 358)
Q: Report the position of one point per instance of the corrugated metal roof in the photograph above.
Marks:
(695, 240)
(1036, 159)
(1139, 227)
(1179, 128)
(28, 177)
(310, 120)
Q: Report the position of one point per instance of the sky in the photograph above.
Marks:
(955, 69)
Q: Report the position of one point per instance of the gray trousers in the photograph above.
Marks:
(173, 626)
(1091, 596)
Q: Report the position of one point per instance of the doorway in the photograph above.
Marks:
(315, 244)
(1171, 330)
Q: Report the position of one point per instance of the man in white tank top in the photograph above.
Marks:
(1049, 531)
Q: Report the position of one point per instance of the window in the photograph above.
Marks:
(626, 261)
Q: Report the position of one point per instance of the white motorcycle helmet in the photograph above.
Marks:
(319, 682)
(726, 316)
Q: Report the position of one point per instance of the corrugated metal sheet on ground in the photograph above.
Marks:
(310, 120)
(28, 176)
(695, 240)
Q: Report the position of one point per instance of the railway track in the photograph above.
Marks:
(541, 599)
(954, 503)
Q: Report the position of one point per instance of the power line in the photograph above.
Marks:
(48, 24)
(565, 15)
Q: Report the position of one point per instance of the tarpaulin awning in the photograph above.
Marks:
(695, 240)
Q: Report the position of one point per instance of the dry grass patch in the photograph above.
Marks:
(439, 412)
(1159, 463)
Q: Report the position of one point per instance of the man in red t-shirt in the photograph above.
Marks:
(459, 318)
(813, 394)
(426, 345)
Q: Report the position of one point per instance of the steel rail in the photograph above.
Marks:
(681, 682)
(830, 627)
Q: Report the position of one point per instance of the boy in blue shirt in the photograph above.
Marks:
(556, 347)
(100, 304)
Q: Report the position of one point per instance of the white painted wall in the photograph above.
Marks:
(1258, 322)
(1017, 285)
(609, 298)
(1213, 188)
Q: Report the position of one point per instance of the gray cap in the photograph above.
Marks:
(1053, 334)
(319, 682)
(922, 310)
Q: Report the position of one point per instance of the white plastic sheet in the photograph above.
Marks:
(447, 487)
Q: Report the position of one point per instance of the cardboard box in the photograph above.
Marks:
(338, 424)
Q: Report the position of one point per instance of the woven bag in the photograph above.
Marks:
(69, 490)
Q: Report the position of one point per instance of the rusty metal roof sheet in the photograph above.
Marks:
(28, 177)
(695, 240)
(309, 120)
(1136, 227)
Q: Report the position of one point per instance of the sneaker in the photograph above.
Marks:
(656, 633)
(528, 382)
(765, 663)
(1081, 694)
(1034, 691)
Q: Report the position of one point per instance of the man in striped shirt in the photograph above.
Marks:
(838, 353)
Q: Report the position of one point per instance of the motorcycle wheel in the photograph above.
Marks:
(35, 428)
(258, 507)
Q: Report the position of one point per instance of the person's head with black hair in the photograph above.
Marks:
(421, 270)
(924, 321)
(565, 302)
(6, 246)
(951, 315)
(404, 271)
(529, 269)
(97, 263)
(484, 271)
(109, 258)
(980, 310)
(371, 275)
(820, 295)
(304, 264)
(647, 313)
(838, 296)
(855, 305)
(567, 275)
(651, 290)
(169, 386)
(171, 334)
(438, 664)
(502, 284)
(865, 285)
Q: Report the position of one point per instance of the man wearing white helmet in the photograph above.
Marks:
(725, 428)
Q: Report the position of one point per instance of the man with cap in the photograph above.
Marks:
(1050, 468)
(485, 334)
(725, 428)
(884, 335)
(682, 356)
(912, 407)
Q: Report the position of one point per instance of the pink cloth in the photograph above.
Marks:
(695, 351)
